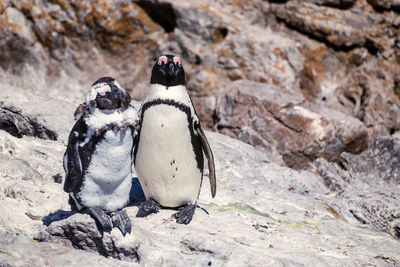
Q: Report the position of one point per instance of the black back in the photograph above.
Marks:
(79, 157)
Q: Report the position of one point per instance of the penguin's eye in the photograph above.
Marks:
(162, 59)
(177, 61)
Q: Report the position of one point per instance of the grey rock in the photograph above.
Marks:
(368, 183)
(23, 251)
(381, 160)
(12, 121)
(31, 112)
(27, 190)
(197, 22)
(80, 231)
(280, 122)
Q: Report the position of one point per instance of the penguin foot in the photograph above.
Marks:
(147, 207)
(121, 220)
(102, 218)
(185, 214)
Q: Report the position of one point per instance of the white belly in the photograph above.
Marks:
(165, 161)
(108, 179)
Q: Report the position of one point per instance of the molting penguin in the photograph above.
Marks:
(169, 151)
(99, 156)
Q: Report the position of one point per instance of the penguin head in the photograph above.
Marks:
(168, 71)
(107, 94)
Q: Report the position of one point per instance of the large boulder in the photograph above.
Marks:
(273, 120)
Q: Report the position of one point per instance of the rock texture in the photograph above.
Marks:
(340, 55)
(312, 87)
(263, 116)
(275, 214)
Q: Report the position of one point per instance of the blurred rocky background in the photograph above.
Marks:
(310, 90)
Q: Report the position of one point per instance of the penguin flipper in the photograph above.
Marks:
(210, 159)
(72, 160)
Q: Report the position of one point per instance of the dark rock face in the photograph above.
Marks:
(17, 124)
(385, 4)
(334, 3)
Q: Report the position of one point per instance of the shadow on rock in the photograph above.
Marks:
(57, 216)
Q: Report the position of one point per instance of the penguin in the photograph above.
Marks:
(170, 145)
(99, 155)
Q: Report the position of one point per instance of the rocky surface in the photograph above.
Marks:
(263, 214)
(312, 87)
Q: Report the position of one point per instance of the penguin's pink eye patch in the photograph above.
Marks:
(162, 59)
(177, 61)
(102, 89)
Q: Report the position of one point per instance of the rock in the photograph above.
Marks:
(330, 79)
(22, 251)
(381, 160)
(18, 40)
(12, 121)
(345, 78)
(334, 3)
(266, 118)
(278, 210)
(64, 46)
(80, 231)
(338, 28)
(27, 190)
(31, 112)
(313, 80)
(368, 183)
(385, 4)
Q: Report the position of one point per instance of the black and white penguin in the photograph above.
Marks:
(169, 151)
(99, 156)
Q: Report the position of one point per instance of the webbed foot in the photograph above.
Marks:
(121, 220)
(185, 214)
(102, 218)
(147, 207)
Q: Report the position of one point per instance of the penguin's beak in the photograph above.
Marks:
(170, 68)
(116, 93)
